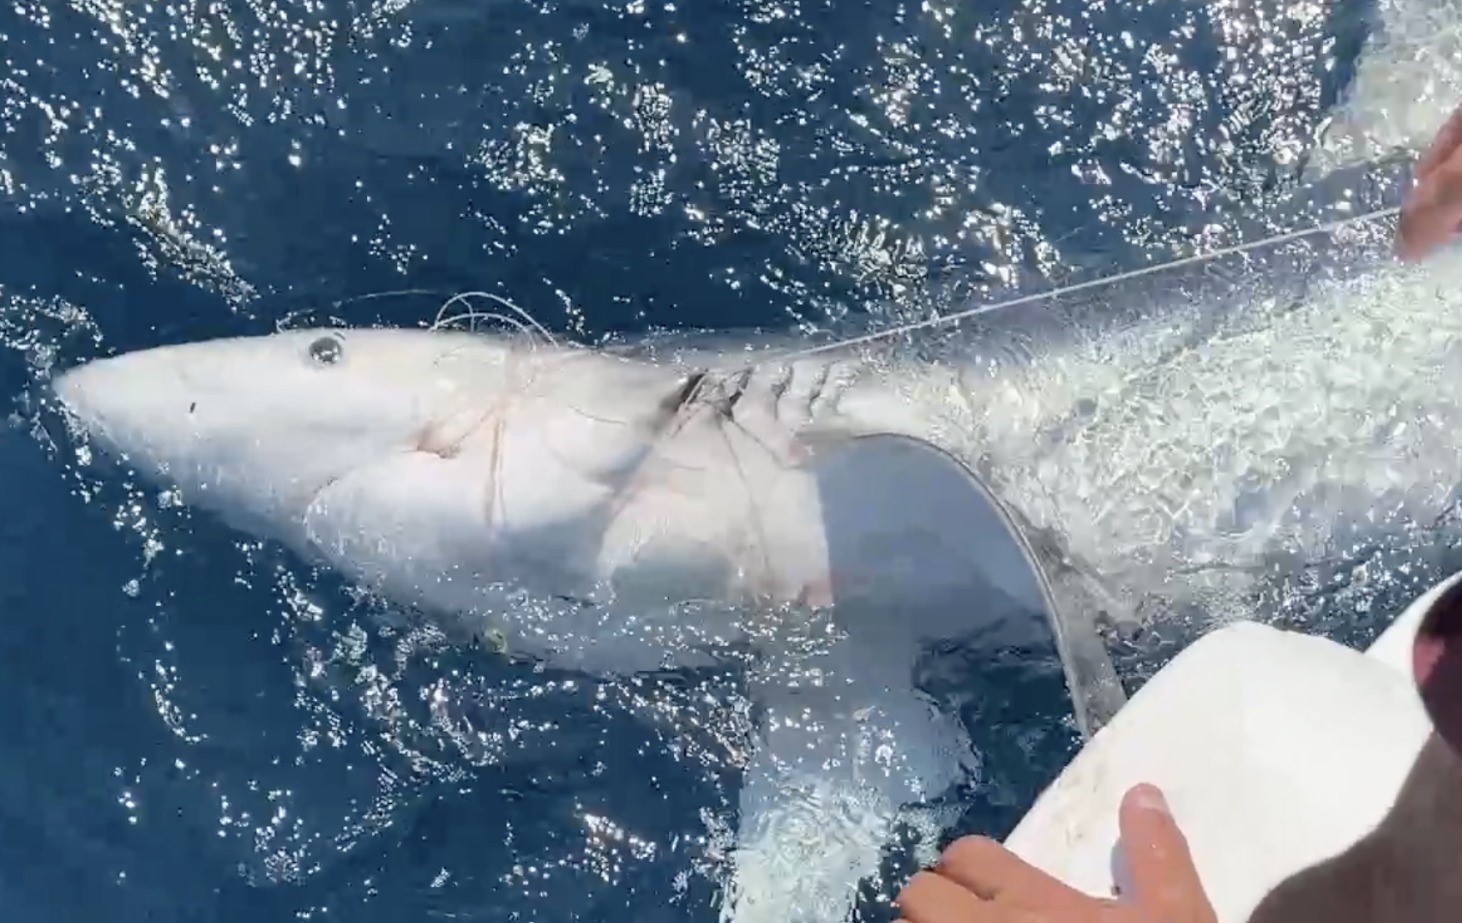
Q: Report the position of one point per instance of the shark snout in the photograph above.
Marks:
(128, 400)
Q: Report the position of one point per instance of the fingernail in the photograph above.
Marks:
(1149, 798)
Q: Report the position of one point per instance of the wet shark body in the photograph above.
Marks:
(614, 515)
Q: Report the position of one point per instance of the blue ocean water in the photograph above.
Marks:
(196, 728)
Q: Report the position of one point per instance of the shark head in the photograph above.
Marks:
(256, 427)
(430, 463)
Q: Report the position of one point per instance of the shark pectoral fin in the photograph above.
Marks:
(908, 523)
(919, 555)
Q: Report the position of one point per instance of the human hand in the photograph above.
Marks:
(1432, 210)
(977, 880)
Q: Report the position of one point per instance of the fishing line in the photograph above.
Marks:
(944, 319)
(932, 322)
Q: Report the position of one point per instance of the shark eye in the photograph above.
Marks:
(326, 350)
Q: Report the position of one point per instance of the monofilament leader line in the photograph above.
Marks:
(1094, 283)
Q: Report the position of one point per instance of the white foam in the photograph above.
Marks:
(1178, 453)
(1408, 78)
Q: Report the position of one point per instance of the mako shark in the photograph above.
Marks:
(1264, 427)
(613, 514)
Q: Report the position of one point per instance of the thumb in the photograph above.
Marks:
(1163, 875)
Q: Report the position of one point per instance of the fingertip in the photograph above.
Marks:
(973, 850)
(1405, 247)
(1156, 854)
(1414, 245)
(1146, 797)
(1416, 228)
(1431, 212)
